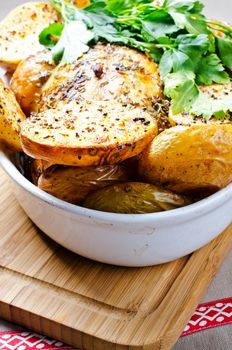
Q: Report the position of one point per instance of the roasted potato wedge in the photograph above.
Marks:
(10, 117)
(19, 32)
(29, 78)
(190, 160)
(105, 73)
(134, 198)
(88, 134)
(73, 184)
(215, 91)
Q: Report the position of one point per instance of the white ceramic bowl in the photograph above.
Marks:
(129, 240)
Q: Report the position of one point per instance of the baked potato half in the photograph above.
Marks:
(19, 32)
(11, 116)
(73, 184)
(134, 198)
(105, 73)
(28, 79)
(194, 160)
(88, 134)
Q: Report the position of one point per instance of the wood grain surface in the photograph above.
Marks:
(90, 305)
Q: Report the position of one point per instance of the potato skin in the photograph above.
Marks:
(10, 117)
(29, 78)
(73, 184)
(19, 32)
(190, 160)
(134, 198)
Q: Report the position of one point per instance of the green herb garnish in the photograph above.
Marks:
(175, 34)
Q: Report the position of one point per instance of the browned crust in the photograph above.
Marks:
(89, 156)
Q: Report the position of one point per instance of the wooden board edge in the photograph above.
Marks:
(220, 248)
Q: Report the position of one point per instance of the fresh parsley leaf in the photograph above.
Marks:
(173, 61)
(119, 6)
(73, 43)
(101, 21)
(65, 10)
(183, 5)
(193, 45)
(154, 27)
(224, 47)
(195, 24)
(197, 7)
(182, 90)
(187, 15)
(51, 35)
(175, 34)
(210, 70)
(187, 97)
(207, 107)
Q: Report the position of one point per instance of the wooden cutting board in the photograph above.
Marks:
(91, 305)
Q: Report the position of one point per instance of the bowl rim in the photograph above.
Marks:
(183, 214)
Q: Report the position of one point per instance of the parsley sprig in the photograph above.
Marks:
(190, 50)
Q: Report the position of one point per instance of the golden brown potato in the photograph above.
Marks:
(88, 134)
(29, 78)
(105, 73)
(10, 117)
(215, 91)
(19, 32)
(73, 184)
(81, 3)
(189, 159)
(134, 198)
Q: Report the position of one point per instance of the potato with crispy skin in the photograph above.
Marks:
(88, 134)
(73, 184)
(10, 117)
(194, 160)
(134, 198)
(97, 110)
(19, 32)
(29, 78)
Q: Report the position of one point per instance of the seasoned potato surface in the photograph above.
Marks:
(88, 134)
(29, 78)
(10, 117)
(19, 32)
(105, 73)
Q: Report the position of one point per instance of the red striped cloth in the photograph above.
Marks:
(207, 315)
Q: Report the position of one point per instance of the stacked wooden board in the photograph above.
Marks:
(91, 305)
